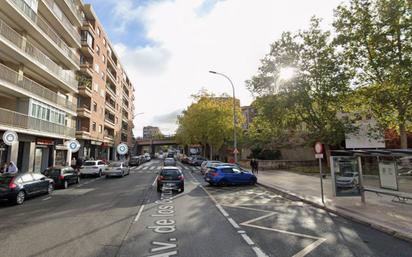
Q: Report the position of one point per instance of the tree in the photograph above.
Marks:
(312, 100)
(376, 39)
(208, 121)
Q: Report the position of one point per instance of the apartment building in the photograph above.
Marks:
(105, 107)
(59, 80)
(151, 132)
(39, 58)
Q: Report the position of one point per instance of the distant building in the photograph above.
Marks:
(248, 113)
(150, 132)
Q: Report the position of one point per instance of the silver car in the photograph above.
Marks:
(118, 169)
(169, 162)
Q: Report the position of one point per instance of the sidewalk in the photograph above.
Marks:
(379, 211)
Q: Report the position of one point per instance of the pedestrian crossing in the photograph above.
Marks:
(151, 169)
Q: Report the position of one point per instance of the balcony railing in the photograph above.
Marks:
(49, 31)
(22, 121)
(74, 9)
(66, 23)
(31, 86)
(16, 39)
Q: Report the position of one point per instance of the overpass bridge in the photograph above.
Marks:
(153, 145)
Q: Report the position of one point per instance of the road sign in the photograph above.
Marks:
(235, 151)
(122, 149)
(319, 156)
(319, 148)
(9, 137)
(73, 145)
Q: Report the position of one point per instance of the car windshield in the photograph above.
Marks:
(170, 172)
(349, 174)
(88, 163)
(115, 164)
(52, 172)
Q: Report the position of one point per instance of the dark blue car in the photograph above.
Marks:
(229, 175)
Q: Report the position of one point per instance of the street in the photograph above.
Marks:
(128, 217)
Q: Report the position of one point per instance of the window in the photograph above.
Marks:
(98, 31)
(102, 75)
(98, 50)
(95, 87)
(96, 68)
(104, 58)
(104, 41)
(102, 93)
(100, 129)
(94, 106)
(227, 170)
(94, 126)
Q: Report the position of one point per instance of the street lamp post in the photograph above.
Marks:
(235, 151)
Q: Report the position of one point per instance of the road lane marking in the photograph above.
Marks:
(139, 213)
(152, 167)
(309, 248)
(259, 252)
(247, 239)
(234, 224)
(47, 198)
(154, 182)
(222, 210)
(145, 167)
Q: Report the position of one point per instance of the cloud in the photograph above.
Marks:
(192, 37)
(167, 119)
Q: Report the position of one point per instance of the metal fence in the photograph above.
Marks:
(19, 120)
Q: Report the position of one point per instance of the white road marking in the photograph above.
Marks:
(247, 239)
(222, 210)
(234, 224)
(154, 182)
(152, 167)
(259, 252)
(145, 167)
(309, 248)
(47, 198)
(139, 213)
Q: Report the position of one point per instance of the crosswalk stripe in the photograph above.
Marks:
(152, 167)
(145, 167)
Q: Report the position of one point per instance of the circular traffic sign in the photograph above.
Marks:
(318, 148)
(9, 137)
(122, 149)
(74, 146)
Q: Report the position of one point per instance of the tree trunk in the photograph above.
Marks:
(211, 152)
(327, 155)
(403, 136)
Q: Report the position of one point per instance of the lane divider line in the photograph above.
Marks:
(234, 224)
(154, 182)
(139, 213)
(259, 252)
(222, 210)
(247, 239)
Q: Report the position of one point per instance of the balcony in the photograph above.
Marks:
(39, 29)
(25, 124)
(110, 106)
(72, 10)
(85, 91)
(86, 67)
(111, 76)
(84, 111)
(83, 133)
(111, 90)
(25, 86)
(25, 52)
(109, 123)
(58, 16)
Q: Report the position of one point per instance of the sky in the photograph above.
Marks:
(168, 46)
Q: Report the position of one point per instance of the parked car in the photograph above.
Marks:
(135, 161)
(208, 164)
(347, 180)
(120, 169)
(92, 168)
(63, 176)
(169, 162)
(170, 177)
(228, 175)
(185, 159)
(197, 160)
(147, 157)
(17, 187)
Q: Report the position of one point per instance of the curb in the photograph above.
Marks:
(295, 197)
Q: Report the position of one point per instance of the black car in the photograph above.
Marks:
(198, 160)
(172, 178)
(62, 176)
(17, 187)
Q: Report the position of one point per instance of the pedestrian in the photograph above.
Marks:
(252, 165)
(73, 163)
(12, 168)
(256, 166)
(3, 168)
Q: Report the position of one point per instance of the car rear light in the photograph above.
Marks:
(160, 178)
(11, 184)
(213, 174)
(181, 178)
(61, 177)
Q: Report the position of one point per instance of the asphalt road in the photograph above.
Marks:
(127, 217)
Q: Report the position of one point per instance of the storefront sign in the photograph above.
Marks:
(387, 175)
(73, 145)
(44, 141)
(10, 137)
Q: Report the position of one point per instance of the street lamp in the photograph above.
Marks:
(235, 151)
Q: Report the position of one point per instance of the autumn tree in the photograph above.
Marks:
(376, 39)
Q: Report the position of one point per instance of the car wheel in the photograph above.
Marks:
(222, 183)
(66, 184)
(50, 188)
(122, 173)
(182, 189)
(100, 173)
(81, 175)
(107, 176)
(252, 182)
(20, 197)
